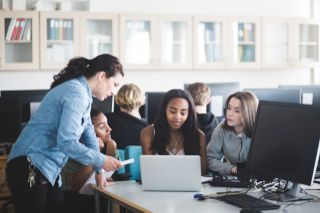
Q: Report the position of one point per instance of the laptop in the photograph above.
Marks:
(170, 172)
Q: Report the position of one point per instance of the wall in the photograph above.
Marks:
(152, 80)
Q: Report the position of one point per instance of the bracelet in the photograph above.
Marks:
(99, 171)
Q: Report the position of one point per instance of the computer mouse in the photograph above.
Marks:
(249, 211)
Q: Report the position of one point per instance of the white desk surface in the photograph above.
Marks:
(132, 194)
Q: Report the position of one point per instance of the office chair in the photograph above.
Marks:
(134, 168)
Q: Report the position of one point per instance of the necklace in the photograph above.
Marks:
(173, 147)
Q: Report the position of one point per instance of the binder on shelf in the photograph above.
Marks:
(27, 31)
(51, 29)
(15, 30)
(240, 32)
(65, 27)
(20, 29)
(60, 35)
(10, 29)
(69, 30)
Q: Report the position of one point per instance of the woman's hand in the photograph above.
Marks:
(100, 179)
(234, 171)
(101, 143)
(111, 164)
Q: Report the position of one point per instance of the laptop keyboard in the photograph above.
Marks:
(246, 201)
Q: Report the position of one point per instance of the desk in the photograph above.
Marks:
(130, 195)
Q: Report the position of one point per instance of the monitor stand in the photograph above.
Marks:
(292, 194)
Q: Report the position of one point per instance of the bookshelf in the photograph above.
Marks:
(59, 39)
(174, 42)
(245, 44)
(227, 42)
(138, 41)
(277, 42)
(210, 42)
(19, 37)
(100, 34)
(306, 42)
(47, 40)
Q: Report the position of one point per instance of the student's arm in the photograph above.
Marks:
(215, 153)
(146, 139)
(203, 153)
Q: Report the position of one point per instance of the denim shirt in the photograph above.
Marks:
(52, 135)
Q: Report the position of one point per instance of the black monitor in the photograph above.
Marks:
(277, 94)
(105, 106)
(310, 94)
(285, 143)
(153, 101)
(219, 94)
(16, 107)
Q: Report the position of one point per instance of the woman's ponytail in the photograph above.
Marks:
(75, 68)
(84, 67)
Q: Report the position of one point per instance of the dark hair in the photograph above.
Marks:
(88, 68)
(191, 134)
(94, 113)
(249, 103)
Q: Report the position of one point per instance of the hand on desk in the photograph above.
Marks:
(102, 181)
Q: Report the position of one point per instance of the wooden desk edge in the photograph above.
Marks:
(123, 202)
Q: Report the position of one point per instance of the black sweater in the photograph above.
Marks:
(207, 123)
(125, 128)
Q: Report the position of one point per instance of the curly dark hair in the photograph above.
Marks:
(88, 68)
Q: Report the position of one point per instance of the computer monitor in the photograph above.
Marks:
(285, 143)
(277, 94)
(310, 94)
(104, 106)
(153, 101)
(219, 94)
(16, 107)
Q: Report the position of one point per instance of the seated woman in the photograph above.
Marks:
(127, 124)
(74, 174)
(230, 141)
(175, 131)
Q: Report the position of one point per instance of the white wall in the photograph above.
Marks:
(152, 80)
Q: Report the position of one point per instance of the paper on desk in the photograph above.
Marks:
(86, 187)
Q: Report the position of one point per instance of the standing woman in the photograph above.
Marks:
(230, 141)
(53, 133)
(175, 131)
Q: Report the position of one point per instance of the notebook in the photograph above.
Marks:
(170, 172)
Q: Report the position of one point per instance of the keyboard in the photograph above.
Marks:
(227, 182)
(246, 201)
